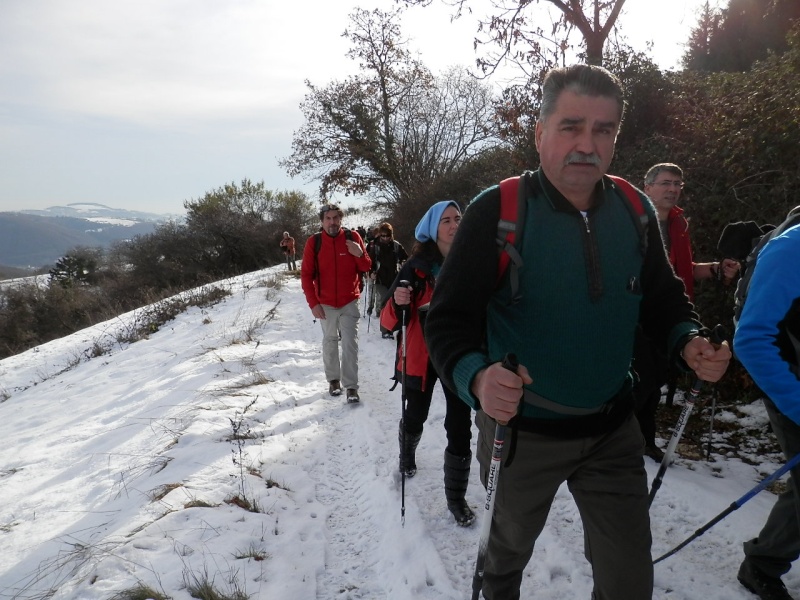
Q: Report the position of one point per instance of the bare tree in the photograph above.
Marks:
(513, 30)
(395, 128)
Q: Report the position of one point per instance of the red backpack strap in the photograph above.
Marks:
(507, 224)
(636, 207)
(509, 230)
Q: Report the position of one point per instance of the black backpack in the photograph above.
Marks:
(374, 249)
(757, 244)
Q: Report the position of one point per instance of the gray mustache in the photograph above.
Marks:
(580, 158)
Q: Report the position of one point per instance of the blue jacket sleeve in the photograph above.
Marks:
(774, 287)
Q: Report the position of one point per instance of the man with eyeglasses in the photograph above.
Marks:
(387, 254)
(663, 183)
(330, 275)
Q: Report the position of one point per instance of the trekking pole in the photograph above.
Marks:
(734, 506)
(676, 436)
(403, 319)
(720, 331)
(492, 478)
(716, 338)
(371, 294)
(711, 426)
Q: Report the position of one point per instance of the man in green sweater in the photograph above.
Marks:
(586, 280)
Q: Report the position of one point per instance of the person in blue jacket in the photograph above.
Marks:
(767, 343)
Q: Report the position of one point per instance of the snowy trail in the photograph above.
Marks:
(120, 469)
(359, 485)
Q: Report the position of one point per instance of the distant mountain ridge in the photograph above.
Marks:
(36, 238)
(93, 210)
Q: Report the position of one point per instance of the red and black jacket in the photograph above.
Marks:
(418, 271)
(330, 276)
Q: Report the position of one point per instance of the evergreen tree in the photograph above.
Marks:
(733, 38)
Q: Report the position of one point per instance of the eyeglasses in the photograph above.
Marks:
(667, 183)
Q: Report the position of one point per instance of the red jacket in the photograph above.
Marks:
(680, 249)
(332, 276)
(288, 245)
(417, 272)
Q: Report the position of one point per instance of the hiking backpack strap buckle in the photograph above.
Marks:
(512, 218)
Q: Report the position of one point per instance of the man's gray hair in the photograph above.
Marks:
(328, 208)
(585, 80)
(653, 172)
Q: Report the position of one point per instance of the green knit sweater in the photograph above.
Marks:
(585, 285)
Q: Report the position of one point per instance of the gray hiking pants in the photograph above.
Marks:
(376, 294)
(607, 479)
(342, 320)
(778, 543)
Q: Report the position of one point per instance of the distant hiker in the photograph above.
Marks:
(585, 282)
(332, 261)
(372, 235)
(362, 232)
(287, 245)
(387, 255)
(663, 184)
(767, 342)
(434, 235)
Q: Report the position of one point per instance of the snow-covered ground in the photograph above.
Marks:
(40, 280)
(116, 470)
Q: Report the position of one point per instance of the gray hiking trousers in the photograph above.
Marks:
(607, 479)
(376, 294)
(342, 320)
(778, 543)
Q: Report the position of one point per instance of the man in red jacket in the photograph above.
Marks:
(332, 262)
(663, 183)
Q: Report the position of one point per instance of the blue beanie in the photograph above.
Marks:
(428, 226)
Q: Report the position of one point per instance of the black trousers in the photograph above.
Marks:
(651, 370)
(457, 420)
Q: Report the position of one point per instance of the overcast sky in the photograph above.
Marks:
(145, 104)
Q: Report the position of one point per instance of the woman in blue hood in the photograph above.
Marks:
(434, 234)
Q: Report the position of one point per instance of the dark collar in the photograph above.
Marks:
(557, 199)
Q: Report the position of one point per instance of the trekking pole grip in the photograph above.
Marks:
(716, 337)
(404, 308)
(511, 363)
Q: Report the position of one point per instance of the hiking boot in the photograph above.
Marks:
(654, 452)
(408, 447)
(352, 395)
(761, 584)
(335, 388)
(387, 335)
(456, 479)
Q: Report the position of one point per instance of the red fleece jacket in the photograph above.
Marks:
(680, 249)
(332, 276)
